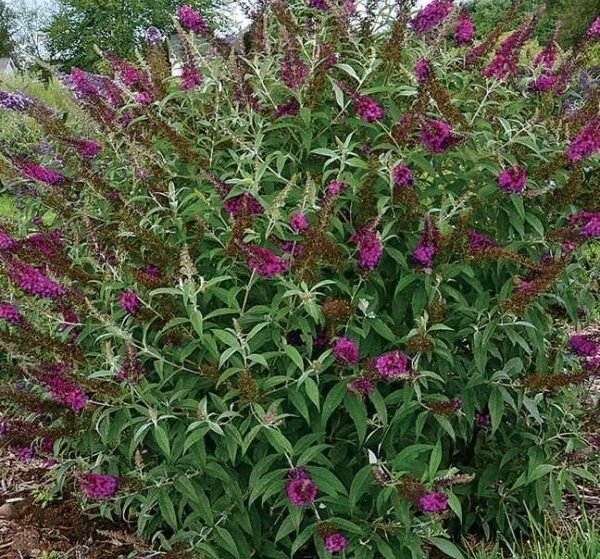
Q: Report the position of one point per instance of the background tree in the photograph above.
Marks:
(31, 20)
(575, 17)
(114, 25)
(7, 28)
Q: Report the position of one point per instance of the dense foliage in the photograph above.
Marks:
(7, 19)
(77, 27)
(574, 17)
(325, 292)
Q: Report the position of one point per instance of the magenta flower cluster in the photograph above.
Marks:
(479, 242)
(143, 98)
(431, 16)
(464, 32)
(65, 392)
(402, 176)
(438, 136)
(129, 301)
(7, 242)
(434, 502)
(191, 20)
(512, 179)
(244, 203)
(45, 243)
(422, 68)
(13, 101)
(301, 490)
(367, 109)
(362, 386)
(335, 187)
(345, 351)
(504, 63)
(87, 149)
(153, 35)
(335, 542)
(131, 368)
(547, 56)
(427, 246)
(393, 365)
(589, 224)
(318, 5)
(298, 222)
(33, 282)
(594, 30)
(12, 315)
(584, 346)
(545, 82)
(98, 486)
(369, 248)
(264, 262)
(586, 143)
(293, 71)
(42, 174)
(289, 108)
(190, 78)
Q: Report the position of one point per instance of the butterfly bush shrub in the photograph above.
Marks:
(318, 291)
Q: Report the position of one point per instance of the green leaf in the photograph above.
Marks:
(455, 505)
(302, 538)
(279, 441)
(447, 547)
(362, 480)
(358, 412)
(540, 471)
(162, 439)
(197, 322)
(496, 407)
(312, 391)
(166, 508)
(294, 355)
(435, 459)
(332, 401)
(349, 70)
(226, 541)
(339, 94)
(286, 528)
(327, 481)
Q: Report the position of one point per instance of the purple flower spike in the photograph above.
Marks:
(191, 20)
(512, 179)
(463, 35)
(129, 302)
(393, 365)
(345, 351)
(298, 222)
(300, 488)
(438, 136)
(98, 486)
(334, 543)
(434, 502)
(402, 176)
(367, 109)
(586, 143)
(12, 315)
(41, 174)
(431, 16)
(370, 250)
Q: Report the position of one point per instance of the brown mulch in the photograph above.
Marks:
(28, 530)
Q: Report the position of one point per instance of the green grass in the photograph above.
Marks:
(52, 92)
(7, 206)
(580, 541)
